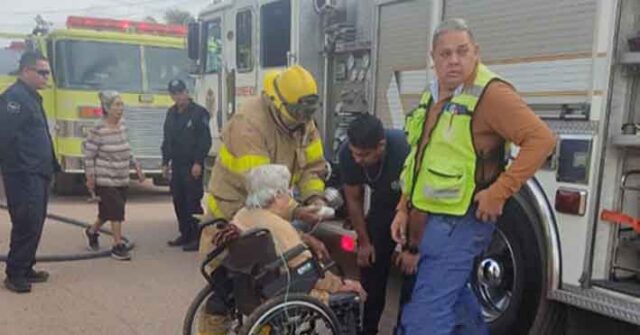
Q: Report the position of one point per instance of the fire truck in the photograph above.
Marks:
(566, 254)
(138, 59)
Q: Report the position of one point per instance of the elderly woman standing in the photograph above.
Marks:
(107, 161)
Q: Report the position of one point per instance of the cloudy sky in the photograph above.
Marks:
(19, 16)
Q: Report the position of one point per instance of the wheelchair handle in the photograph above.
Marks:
(218, 222)
(219, 249)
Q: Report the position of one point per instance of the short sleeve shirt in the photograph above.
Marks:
(384, 177)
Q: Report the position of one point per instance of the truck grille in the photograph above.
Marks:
(144, 130)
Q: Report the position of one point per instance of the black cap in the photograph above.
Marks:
(177, 86)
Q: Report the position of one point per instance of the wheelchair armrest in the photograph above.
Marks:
(287, 255)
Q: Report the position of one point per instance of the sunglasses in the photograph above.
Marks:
(43, 73)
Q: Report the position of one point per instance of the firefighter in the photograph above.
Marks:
(454, 180)
(273, 128)
(28, 163)
(185, 146)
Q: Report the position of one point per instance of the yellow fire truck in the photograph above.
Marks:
(137, 59)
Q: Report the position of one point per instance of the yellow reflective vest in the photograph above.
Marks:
(444, 181)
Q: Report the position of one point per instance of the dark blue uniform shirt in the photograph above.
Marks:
(384, 177)
(186, 135)
(25, 141)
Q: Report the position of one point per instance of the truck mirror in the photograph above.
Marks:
(193, 40)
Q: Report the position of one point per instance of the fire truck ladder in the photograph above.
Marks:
(627, 236)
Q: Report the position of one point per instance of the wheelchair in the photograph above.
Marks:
(266, 296)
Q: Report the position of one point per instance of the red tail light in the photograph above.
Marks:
(89, 112)
(348, 243)
(571, 201)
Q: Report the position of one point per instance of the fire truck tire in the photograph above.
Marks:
(529, 311)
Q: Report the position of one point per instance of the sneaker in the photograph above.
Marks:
(94, 245)
(120, 252)
(180, 240)
(191, 246)
(37, 276)
(17, 285)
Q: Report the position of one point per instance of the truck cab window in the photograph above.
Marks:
(275, 28)
(10, 56)
(99, 65)
(164, 65)
(244, 30)
(214, 47)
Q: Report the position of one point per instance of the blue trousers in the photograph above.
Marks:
(27, 197)
(442, 302)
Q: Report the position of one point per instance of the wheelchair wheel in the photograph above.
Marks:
(297, 314)
(190, 324)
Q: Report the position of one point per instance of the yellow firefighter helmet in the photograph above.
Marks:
(294, 93)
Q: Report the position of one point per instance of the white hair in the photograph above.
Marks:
(265, 183)
(454, 24)
(107, 98)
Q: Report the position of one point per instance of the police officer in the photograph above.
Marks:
(186, 144)
(28, 163)
(373, 157)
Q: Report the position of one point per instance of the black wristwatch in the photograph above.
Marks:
(412, 249)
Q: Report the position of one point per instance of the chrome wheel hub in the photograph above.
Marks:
(495, 277)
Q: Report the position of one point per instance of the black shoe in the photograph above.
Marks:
(191, 246)
(37, 276)
(94, 245)
(120, 252)
(17, 285)
(180, 240)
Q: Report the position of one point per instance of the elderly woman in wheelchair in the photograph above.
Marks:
(268, 279)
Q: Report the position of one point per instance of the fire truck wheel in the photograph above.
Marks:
(510, 277)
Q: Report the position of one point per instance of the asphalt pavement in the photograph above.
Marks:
(148, 295)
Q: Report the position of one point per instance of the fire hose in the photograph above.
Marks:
(72, 256)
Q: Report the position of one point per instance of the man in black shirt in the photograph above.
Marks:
(185, 146)
(373, 157)
(28, 163)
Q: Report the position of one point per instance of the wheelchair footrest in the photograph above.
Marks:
(348, 309)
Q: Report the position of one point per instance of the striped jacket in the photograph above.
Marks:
(107, 155)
